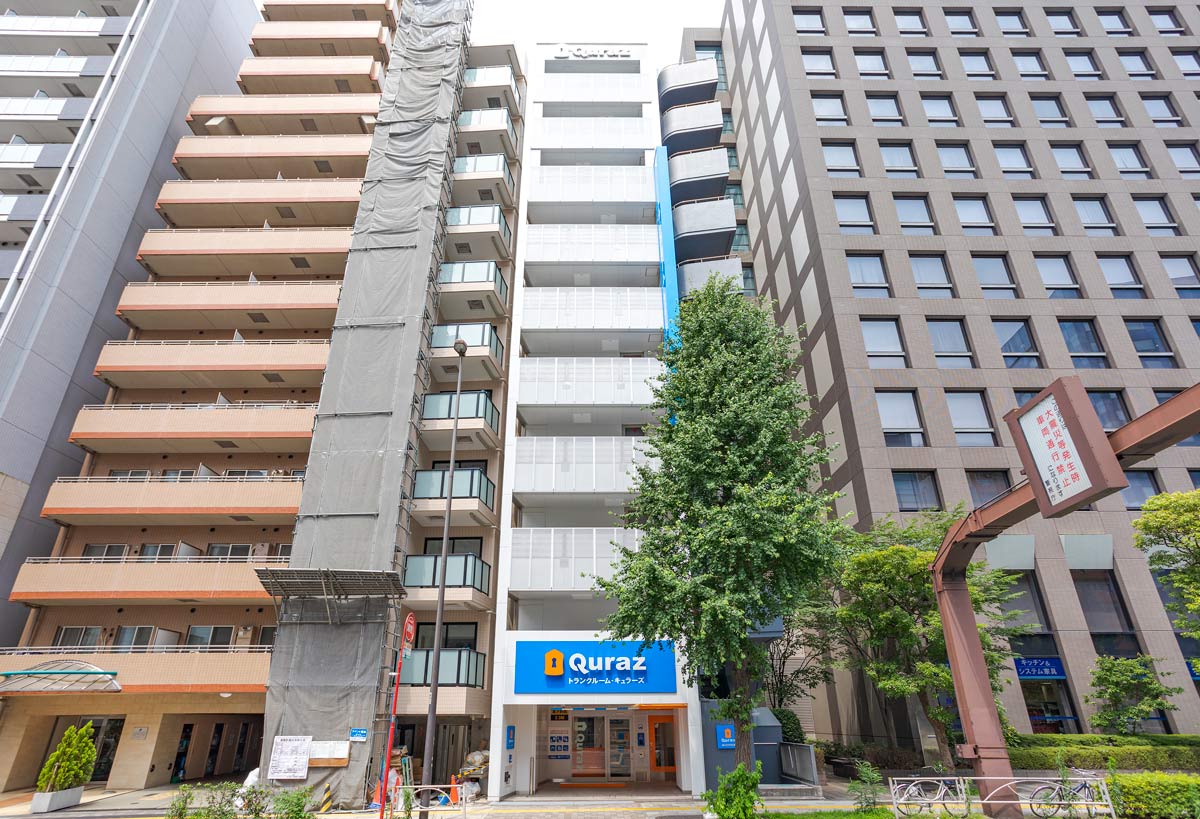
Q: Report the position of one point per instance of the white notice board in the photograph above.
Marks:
(289, 758)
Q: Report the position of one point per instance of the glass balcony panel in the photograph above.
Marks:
(474, 273)
(458, 667)
(462, 572)
(468, 483)
(440, 407)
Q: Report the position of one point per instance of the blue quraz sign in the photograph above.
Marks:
(594, 667)
(1040, 668)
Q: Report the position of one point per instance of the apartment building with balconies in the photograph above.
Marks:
(92, 94)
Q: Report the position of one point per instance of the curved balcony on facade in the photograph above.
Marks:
(694, 274)
(253, 202)
(688, 127)
(472, 290)
(42, 119)
(158, 669)
(239, 253)
(266, 157)
(699, 174)
(310, 75)
(478, 421)
(492, 86)
(382, 11)
(704, 227)
(43, 33)
(229, 305)
(473, 502)
(482, 180)
(484, 359)
(686, 83)
(283, 114)
(479, 233)
(164, 501)
(168, 428)
(212, 364)
(321, 38)
(24, 75)
(487, 131)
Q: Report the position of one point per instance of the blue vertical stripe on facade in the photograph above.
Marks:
(668, 272)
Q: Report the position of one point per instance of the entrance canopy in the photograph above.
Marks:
(59, 677)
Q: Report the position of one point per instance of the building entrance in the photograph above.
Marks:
(614, 746)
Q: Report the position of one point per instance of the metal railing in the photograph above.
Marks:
(462, 571)
(476, 335)
(468, 483)
(679, 205)
(256, 283)
(124, 559)
(461, 667)
(488, 117)
(440, 407)
(479, 215)
(251, 230)
(191, 342)
(246, 405)
(184, 479)
(50, 650)
(474, 273)
(1043, 797)
(487, 163)
(799, 762)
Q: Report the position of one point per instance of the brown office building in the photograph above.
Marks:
(962, 202)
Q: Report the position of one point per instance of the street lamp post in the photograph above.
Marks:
(460, 347)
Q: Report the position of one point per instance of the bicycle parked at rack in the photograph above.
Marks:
(935, 793)
(1061, 798)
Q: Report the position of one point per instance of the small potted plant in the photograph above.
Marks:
(67, 770)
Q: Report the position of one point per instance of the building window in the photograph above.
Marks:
(900, 419)
(732, 154)
(1071, 162)
(1110, 407)
(885, 350)
(1194, 474)
(1083, 65)
(1137, 65)
(741, 239)
(940, 111)
(994, 112)
(995, 279)
(1062, 23)
(1183, 274)
(1150, 344)
(1013, 160)
(808, 21)
(1129, 161)
(733, 190)
(899, 161)
(885, 110)
(454, 635)
(1106, 112)
(1035, 216)
(933, 281)
(1156, 216)
(818, 63)
(1050, 112)
(950, 346)
(1012, 24)
(1122, 277)
(1188, 63)
(1023, 397)
(841, 160)
(210, 636)
(970, 419)
(1030, 65)
(1114, 23)
(924, 65)
(871, 65)
(1016, 344)
(713, 52)
(915, 218)
(1161, 111)
(829, 109)
(1186, 159)
(1143, 485)
(1104, 612)
(911, 23)
(1094, 215)
(977, 65)
(974, 215)
(987, 485)
(956, 161)
(1162, 396)
(868, 278)
(77, 636)
(749, 286)
(1057, 277)
(1166, 22)
(961, 23)
(1083, 343)
(859, 22)
(853, 213)
(726, 123)
(916, 491)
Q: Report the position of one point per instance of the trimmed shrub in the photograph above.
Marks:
(1071, 740)
(1157, 795)
(736, 796)
(1097, 757)
(793, 731)
(71, 763)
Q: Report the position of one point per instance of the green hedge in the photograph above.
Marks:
(1155, 795)
(1096, 757)
(1073, 740)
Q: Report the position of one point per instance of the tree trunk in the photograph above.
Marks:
(885, 713)
(945, 752)
(744, 741)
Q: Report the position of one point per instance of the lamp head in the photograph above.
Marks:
(460, 347)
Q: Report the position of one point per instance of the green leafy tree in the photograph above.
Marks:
(1125, 691)
(736, 796)
(736, 528)
(1169, 532)
(71, 763)
(796, 663)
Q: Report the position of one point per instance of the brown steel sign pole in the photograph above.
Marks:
(1070, 462)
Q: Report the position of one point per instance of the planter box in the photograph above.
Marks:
(56, 800)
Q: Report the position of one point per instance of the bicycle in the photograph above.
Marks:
(935, 794)
(1050, 800)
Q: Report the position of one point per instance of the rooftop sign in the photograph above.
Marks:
(566, 52)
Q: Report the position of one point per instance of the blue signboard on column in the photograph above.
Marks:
(594, 667)
(510, 737)
(1040, 668)
(726, 736)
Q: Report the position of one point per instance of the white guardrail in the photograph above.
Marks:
(1084, 792)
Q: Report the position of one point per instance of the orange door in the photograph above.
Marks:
(662, 744)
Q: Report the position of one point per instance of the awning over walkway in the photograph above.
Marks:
(59, 677)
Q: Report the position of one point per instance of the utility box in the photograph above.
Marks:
(719, 750)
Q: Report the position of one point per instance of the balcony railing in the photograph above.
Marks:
(487, 163)
(480, 215)
(459, 667)
(245, 405)
(462, 572)
(494, 75)
(266, 560)
(474, 273)
(184, 479)
(440, 407)
(52, 650)
(489, 118)
(468, 483)
(476, 335)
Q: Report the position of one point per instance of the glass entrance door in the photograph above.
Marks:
(662, 744)
(620, 758)
(587, 748)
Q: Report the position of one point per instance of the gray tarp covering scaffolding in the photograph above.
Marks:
(327, 677)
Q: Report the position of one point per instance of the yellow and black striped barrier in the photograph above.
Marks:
(326, 800)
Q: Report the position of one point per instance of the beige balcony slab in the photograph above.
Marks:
(225, 305)
(253, 202)
(479, 364)
(464, 512)
(310, 75)
(383, 11)
(174, 671)
(239, 253)
(184, 502)
(283, 114)
(265, 157)
(316, 38)
(83, 581)
(165, 428)
(452, 700)
(211, 364)
(456, 598)
(473, 434)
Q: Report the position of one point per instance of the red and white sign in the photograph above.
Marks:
(410, 634)
(1053, 449)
